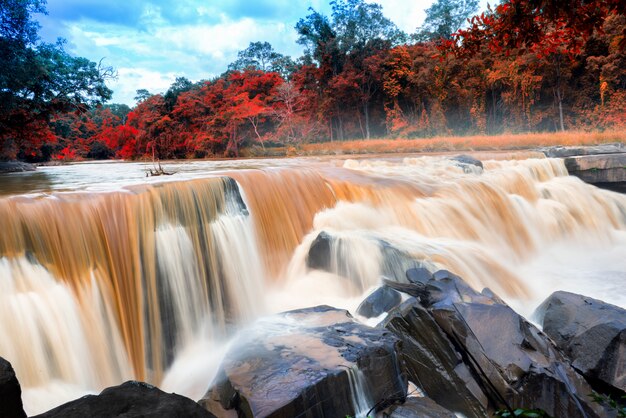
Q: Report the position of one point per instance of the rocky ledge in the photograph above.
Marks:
(440, 348)
(601, 165)
(15, 167)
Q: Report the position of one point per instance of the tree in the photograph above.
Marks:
(261, 56)
(142, 95)
(38, 81)
(180, 85)
(445, 17)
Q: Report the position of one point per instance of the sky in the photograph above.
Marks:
(151, 42)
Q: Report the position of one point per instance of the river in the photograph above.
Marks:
(108, 275)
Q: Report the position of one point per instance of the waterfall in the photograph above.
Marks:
(100, 288)
(150, 281)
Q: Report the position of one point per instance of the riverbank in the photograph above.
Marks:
(508, 142)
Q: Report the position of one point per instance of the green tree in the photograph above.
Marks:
(39, 80)
(444, 18)
(261, 56)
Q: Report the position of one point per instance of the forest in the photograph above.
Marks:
(520, 66)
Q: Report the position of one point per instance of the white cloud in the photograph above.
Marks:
(132, 79)
(407, 15)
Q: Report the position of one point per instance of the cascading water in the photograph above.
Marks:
(149, 281)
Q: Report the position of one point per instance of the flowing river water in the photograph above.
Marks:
(107, 275)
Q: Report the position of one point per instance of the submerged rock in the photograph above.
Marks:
(130, 400)
(466, 161)
(513, 364)
(309, 363)
(379, 301)
(591, 333)
(10, 392)
(419, 408)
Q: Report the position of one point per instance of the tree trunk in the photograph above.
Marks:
(366, 112)
(559, 97)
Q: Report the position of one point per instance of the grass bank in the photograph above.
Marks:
(442, 144)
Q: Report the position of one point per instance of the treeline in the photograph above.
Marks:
(538, 65)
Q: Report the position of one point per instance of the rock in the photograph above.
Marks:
(415, 407)
(307, 363)
(432, 362)
(465, 161)
(379, 301)
(10, 392)
(129, 400)
(601, 165)
(607, 171)
(319, 255)
(513, 363)
(563, 152)
(326, 248)
(591, 333)
(418, 275)
(15, 167)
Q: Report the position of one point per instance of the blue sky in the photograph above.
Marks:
(151, 42)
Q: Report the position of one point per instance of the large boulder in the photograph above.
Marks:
(328, 253)
(315, 362)
(415, 407)
(10, 392)
(514, 364)
(431, 361)
(130, 400)
(591, 333)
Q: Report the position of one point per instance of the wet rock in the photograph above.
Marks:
(431, 361)
(379, 301)
(130, 400)
(15, 167)
(513, 363)
(330, 253)
(307, 363)
(319, 255)
(591, 333)
(10, 392)
(419, 408)
(418, 275)
(464, 161)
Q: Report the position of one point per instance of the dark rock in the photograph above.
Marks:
(10, 392)
(327, 251)
(319, 255)
(513, 364)
(15, 167)
(591, 333)
(419, 408)
(467, 160)
(301, 363)
(380, 300)
(418, 275)
(129, 400)
(433, 363)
